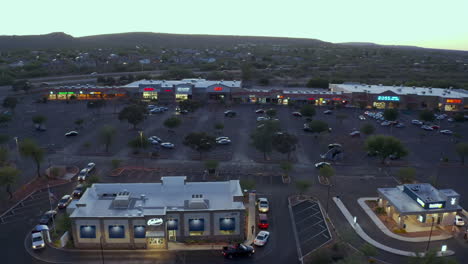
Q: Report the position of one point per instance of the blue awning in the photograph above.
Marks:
(196, 224)
(227, 224)
(173, 224)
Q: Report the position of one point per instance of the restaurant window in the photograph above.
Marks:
(181, 97)
(150, 95)
(379, 105)
(88, 231)
(172, 224)
(139, 231)
(227, 225)
(196, 227)
(116, 231)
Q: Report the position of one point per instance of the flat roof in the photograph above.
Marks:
(401, 90)
(173, 194)
(198, 83)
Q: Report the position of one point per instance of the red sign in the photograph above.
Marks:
(453, 101)
(168, 90)
(336, 99)
(311, 98)
(148, 89)
(218, 88)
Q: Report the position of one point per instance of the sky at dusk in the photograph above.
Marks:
(429, 23)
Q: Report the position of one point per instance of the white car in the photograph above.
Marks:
(223, 141)
(71, 134)
(446, 132)
(450, 119)
(263, 205)
(416, 122)
(385, 123)
(37, 240)
(262, 118)
(361, 117)
(355, 134)
(168, 145)
(327, 112)
(262, 238)
(428, 128)
(155, 138)
(459, 221)
(83, 174)
(220, 138)
(321, 164)
(90, 167)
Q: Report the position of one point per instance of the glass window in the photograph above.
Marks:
(139, 231)
(196, 227)
(88, 231)
(227, 225)
(173, 224)
(116, 231)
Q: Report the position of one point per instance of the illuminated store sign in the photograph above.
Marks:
(66, 93)
(311, 99)
(148, 89)
(218, 88)
(420, 202)
(168, 90)
(155, 222)
(183, 89)
(435, 205)
(388, 98)
(453, 101)
(453, 201)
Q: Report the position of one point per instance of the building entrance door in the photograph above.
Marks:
(155, 239)
(172, 235)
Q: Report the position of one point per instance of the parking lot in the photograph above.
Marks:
(311, 229)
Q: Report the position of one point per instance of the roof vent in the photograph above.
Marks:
(122, 199)
(197, 203)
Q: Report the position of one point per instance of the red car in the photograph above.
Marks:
(435, 126)
(263, 221)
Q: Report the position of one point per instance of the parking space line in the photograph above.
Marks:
(305, 241)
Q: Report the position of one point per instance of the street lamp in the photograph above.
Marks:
(430, 234)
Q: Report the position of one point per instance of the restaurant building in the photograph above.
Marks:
(418, 205)
(151, 215)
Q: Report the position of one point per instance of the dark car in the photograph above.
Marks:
(298, 114)
(78, 191)
(230, 113)
(239, 250)
(47, 217)
(64, 202)
(71, 134)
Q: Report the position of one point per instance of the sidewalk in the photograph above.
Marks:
(376, 244)
(251, 219)
(386, 231)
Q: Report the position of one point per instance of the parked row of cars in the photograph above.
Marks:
(154, 140)
(153, 109)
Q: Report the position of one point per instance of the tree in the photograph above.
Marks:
(30, 149)
(308, 110)
(200, 142)
(262, 136)
(4, 118)
(211, 165)
(4, 138)
(286, 166)
(462, 150)
(133, 114)
(390, 114)
(318, 126)
(24, 85)
(367, 129)
(172, 122)
(189, 105)
(4, 154)
(302, 186)
(79, 122)
(247, 184)
(427, 116)
(385, 146)
(271, 113)
(406, 175)
(340, 117)
(107, 135)
(218, 126)
(39, 119)
(8, 176)
(284, 143)
(139, 142)
(10, 102)
(327, 172)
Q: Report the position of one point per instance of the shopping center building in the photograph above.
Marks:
(150, 215)
(418, 205)
(403, 97)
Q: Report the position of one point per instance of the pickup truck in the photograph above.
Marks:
(237, 251)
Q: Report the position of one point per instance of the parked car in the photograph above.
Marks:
(262, 238)
(262, 118)
(263, 221)
(40, 127)
(428, 128)
(37, 240)
(90, 167)
(230, 113)
(71, 134)
(416, 122)
(334, 145)
(78, 191)
(260, 111)
(361, 117)
(298, 114)
(156, 110)
(263, 205)
(155, 138)
(167, 145)
(47, 217)
(459, 221)
(435, 127)
(450, 119)
(400, 125)
(64, 202)
(446, 132)
(321, 164)
(328, 112)
(223, 141)
(385, 123)
(355, 134)
(220, 138)
(83, 175)
(239, 250)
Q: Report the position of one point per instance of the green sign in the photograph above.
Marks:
(66, 93)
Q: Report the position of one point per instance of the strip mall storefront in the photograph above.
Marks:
(86, 93)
